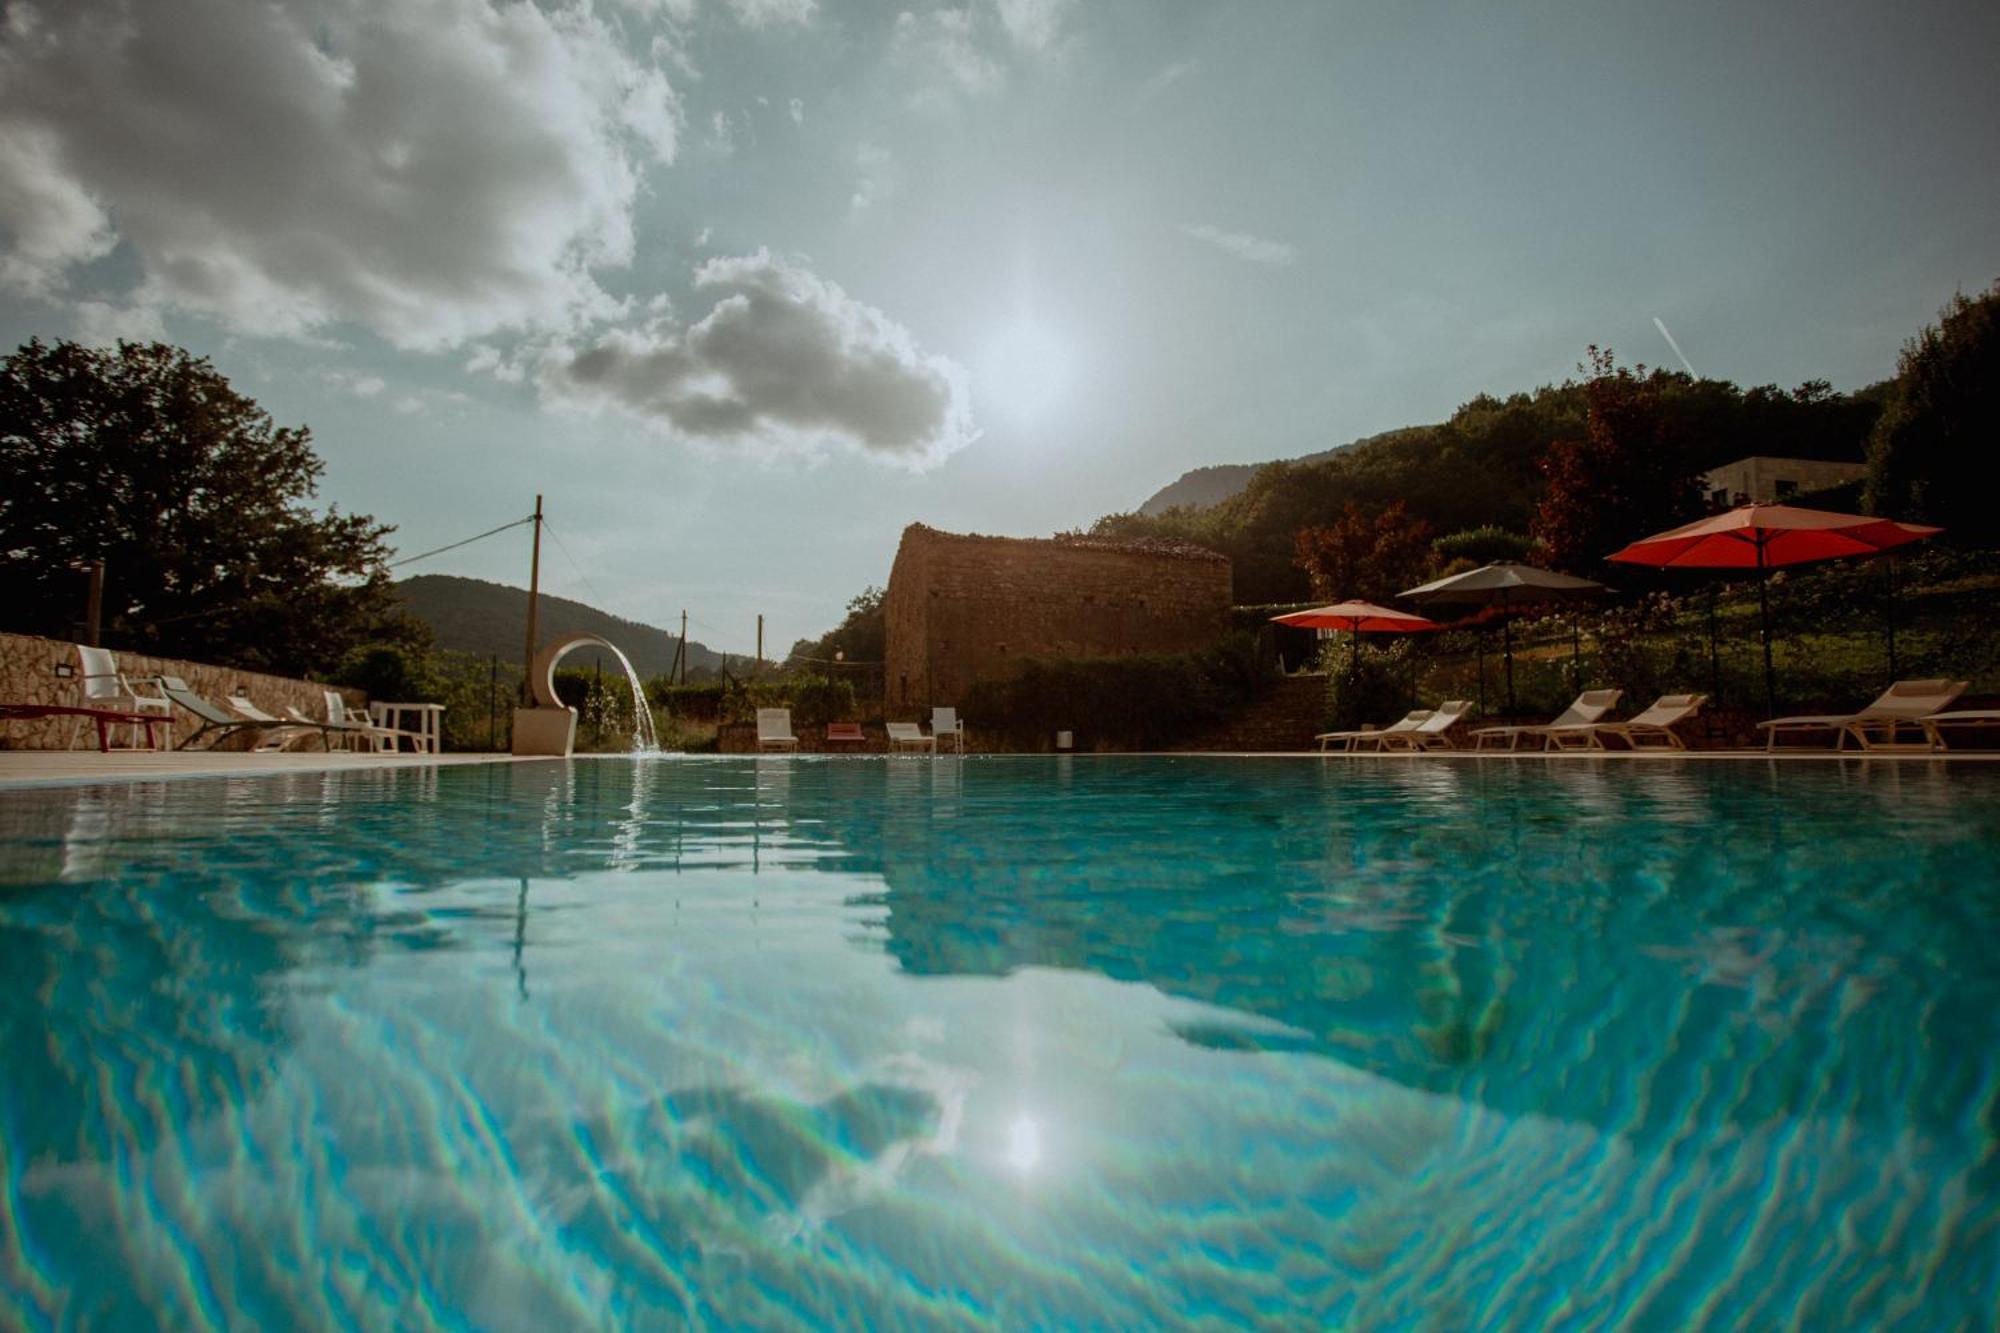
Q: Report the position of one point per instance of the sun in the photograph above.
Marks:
(1026, 370)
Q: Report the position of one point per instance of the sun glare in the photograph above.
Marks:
(1026, 370)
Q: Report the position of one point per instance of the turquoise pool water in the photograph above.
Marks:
(1008, 1042)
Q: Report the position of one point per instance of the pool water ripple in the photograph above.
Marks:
(1005, 1042)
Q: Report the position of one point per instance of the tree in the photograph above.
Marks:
(1628, 476)
(145, 458)
(862, 637)
(1365, 555)
(1932, 453)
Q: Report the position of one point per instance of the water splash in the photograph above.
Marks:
(645, 736)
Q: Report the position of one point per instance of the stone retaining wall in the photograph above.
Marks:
(1285, 719)
(28, 676)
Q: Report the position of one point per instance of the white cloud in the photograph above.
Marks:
(1250, 249)
(1170, 75)
(785, 361)
(100, 324)
(434, 170)
(876, 180)
(773, 13)
(942, 42)
(1033, 24)
(361, 386)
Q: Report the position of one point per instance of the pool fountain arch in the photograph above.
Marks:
(549, 727)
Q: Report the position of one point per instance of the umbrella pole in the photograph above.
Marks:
(1576, 652)
(1714, 656)
(1479, 651)
(1764, 619)
(1507, 642)
(1889, 610)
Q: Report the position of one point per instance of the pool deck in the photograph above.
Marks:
(36, 767)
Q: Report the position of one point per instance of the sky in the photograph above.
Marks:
(743, 287)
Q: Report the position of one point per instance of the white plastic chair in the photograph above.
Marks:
(774, 729)
(909, 736)
(103, 685)
(944, 722)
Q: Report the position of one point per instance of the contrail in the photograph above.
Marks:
(1661, 325)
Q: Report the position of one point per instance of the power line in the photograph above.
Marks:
(596, 596)
(425, 555)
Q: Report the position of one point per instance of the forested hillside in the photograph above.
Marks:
(1483, 468)
(491, 620)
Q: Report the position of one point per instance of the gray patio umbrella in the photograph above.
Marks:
(1506, 586)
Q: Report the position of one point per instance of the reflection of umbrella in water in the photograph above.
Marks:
(1357, 618)
(1764, 537)
(1505, 586)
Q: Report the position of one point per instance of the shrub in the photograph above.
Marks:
(1144, 701)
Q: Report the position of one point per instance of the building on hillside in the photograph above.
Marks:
(963, 608)
(1769, 480)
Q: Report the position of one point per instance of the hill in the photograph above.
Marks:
(491, 619)
(1205, 487)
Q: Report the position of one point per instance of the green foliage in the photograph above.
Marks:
(1629, 475)
(478, 700)
(1932, 456)
(1483, 545)
(861, 637)
(1140, 702)
(700, 701)
(145, 458)
(1375, 684)
(814, 700)
(1481, 468)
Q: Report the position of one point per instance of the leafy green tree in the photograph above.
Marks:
(1628, 476)
(861, 637)
(145, 458)
(1932, 455)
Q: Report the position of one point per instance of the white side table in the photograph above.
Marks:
(423, 722)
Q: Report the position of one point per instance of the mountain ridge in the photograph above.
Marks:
(489, 619)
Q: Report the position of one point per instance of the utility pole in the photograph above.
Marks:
(534, 594)
(760, 643)
(93, 608)
(681, 654)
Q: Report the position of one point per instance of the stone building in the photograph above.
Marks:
(962, 608)
(1775, 479)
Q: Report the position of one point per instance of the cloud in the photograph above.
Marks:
(1170, 75)
(1033, 24)
(773, 13)
(877, 180)
(435, 170)
(361, 386)
(786, 361)
(1250, 249)
(941, 42)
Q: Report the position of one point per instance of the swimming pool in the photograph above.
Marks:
(1018, 1042)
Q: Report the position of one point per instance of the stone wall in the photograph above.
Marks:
(28, 676)
(1285, 719)
(965, 608)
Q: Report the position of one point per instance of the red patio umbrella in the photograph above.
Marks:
(1764, 537)
(1358, 618)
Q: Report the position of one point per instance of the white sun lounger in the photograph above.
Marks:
(774, 729)
(1348, 740)
(1585, 711)
(1650, 730)
(1936, 724)
(1434, 732)
(1885, 724)
(909, 736)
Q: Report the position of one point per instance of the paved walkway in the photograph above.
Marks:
(21, 767)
